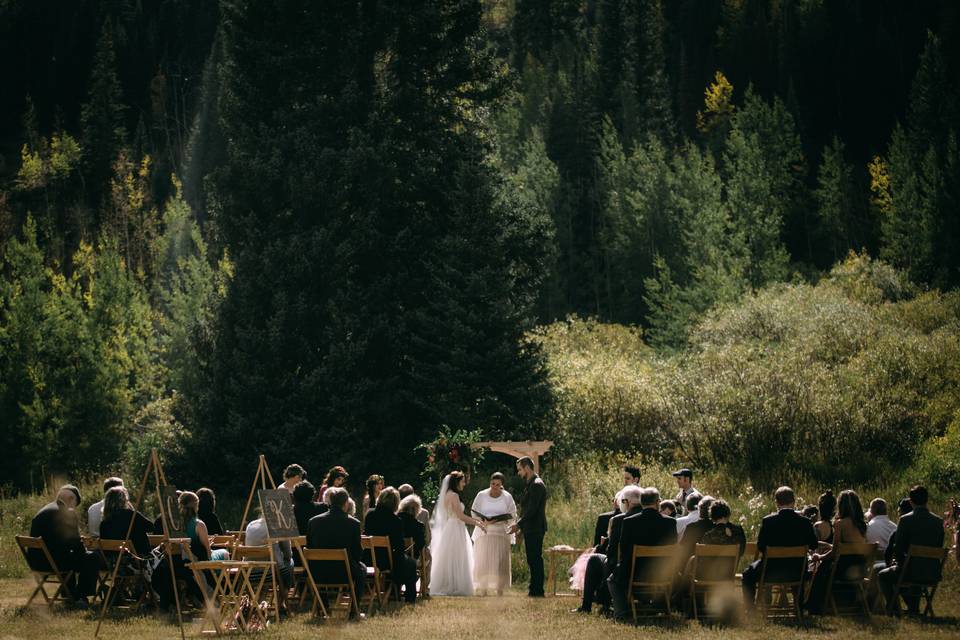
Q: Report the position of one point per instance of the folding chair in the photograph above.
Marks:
(112, 553)
(373, 577)
(857, 560)
(264, 554)
(657, 578)
(385, 567)
(154, 540)
(411, 550)
(918, 554)
(43, 577)
(793, 587)
(337, 560)
(714, 565)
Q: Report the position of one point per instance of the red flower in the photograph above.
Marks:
(453, 455)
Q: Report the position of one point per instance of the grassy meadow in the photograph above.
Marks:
(579, 490)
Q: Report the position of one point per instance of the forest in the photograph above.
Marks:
(696, 231)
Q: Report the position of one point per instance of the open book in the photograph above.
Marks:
(503, 517)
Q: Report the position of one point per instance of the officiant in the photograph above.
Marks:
(491, 548)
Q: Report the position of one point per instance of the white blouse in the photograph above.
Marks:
(489, 506)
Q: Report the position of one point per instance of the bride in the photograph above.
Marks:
(451, 573)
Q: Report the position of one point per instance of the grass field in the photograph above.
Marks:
(512, 616)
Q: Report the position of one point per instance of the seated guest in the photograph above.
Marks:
(337, 530)
(117, 513)
(647, 528)
(59, 526)
(685, 483)
(692, 507)
(304, 507)
(374, 487)
(256, 536)
(668, 508)
(382, 520)
(724, 531)
(188, 506)
(293, 475)
(423, 517)
(208, 511)
(786, 528)
(631, 475)
(880, 527)
(336, 477)
(811, 513)
(95, 512)
(826, 507)
(412, 528)
(602, 562)
(918, 527)
(695, 530)
(850, 527)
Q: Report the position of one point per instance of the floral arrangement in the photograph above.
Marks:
(449, 451)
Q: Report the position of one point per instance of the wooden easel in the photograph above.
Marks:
(263, 474)
(160, 479)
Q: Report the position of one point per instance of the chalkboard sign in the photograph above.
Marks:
(278, 513)
(171, 511)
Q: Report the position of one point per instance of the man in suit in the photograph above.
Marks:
(647, 528)
(335, 529)
(382, 520)
(685, 484)
(786, 528)
(919, 527)
(532, 523)
(602, 563)
(59, 526)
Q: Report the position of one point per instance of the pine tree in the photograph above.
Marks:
(837, 202)
(101, 117)
(656, 112)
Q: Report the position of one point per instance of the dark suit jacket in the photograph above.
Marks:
(60, 530)
(334, 530)
(533, 508)
(214, 527)
(603, 522)
(649, 529)
(303, 511)
(613, 543)
(923, 528)
(381, 522)
(413, 528)
(786, 528)
(115, 528)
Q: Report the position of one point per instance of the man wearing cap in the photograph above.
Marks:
(59, 526)
(685, 482)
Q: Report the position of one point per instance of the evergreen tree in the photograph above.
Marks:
(656, 112)
(101, 116)
(838, 203)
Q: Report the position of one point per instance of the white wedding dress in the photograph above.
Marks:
(451, 572)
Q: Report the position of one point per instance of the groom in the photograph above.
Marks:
(532, 523)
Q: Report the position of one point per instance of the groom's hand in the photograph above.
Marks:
(513, 529)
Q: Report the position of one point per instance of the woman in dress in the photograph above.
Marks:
(491, 552)
(451, 573)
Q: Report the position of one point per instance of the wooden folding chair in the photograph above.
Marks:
(411, 549)
(265, 554)
(857, 559)
(337, 559)
(373, 577)
(704, 575)
(658, 577)
(792, 587)
(154, 540)
(43, 577)
(385, 567)
(112, 552)
(927, 589)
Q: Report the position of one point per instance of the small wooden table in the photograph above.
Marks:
(560, 551)
(231, 582)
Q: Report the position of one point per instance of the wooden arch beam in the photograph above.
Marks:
(531, 448)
